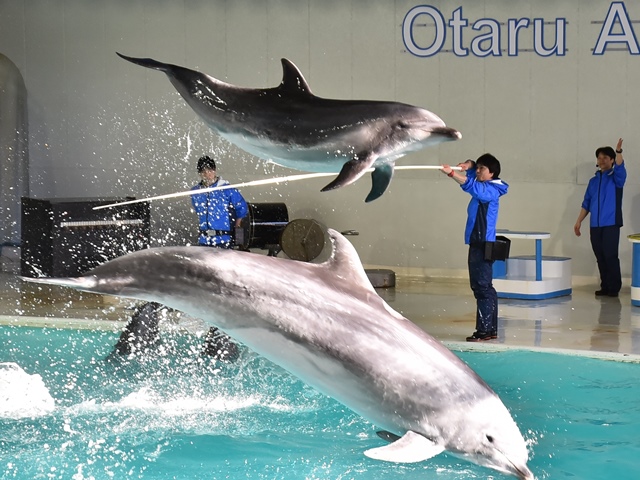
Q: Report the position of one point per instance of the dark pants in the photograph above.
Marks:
(605, 242)
(220, 241)
(481, 279)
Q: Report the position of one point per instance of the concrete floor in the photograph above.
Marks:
(590, 325)
(602, 327)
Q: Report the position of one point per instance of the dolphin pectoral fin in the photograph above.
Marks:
(411, 448)
(380, 178)
(351, 171)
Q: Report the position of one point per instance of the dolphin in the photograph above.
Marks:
(324, 323)
(141, 334)
(219, 346)
(290, 126)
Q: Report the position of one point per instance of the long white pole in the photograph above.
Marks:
(267, 181)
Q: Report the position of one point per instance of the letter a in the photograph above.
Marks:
(617, 11)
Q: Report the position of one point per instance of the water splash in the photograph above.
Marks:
(23, 395)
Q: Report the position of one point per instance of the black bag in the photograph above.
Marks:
(498, 250)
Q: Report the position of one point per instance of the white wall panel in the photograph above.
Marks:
(287, 37)
(331, 52)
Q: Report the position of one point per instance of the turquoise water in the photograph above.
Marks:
(178, 415)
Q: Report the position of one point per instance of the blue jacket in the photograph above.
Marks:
(482, 212)
(603, 198)
(219, 209)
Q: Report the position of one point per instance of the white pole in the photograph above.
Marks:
(267, 181)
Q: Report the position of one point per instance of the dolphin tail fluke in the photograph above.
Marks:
(380, 178)
(148, 62)
(411, 448)
(142, 332)
(351, 171)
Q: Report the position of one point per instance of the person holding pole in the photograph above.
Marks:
(480, 179)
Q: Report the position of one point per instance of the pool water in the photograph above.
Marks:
(179, 415)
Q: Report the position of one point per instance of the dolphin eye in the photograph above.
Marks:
(490, 438)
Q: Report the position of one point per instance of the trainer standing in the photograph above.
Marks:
(603, 201)
(480, 179)
(218, 211)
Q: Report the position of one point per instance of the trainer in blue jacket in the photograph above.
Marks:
(603, 201)
(218, 211)
(481, 180)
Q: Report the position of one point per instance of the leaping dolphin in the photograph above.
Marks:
(292, 127)
(325, 324)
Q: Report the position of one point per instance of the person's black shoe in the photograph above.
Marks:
(482, 337)
(605, 293)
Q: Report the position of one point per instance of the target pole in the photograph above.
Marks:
(254, 183)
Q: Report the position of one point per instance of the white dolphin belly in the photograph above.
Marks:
(316, 158)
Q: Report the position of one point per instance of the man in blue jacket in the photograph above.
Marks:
(603, 200)
(218, 211)
(480, 179)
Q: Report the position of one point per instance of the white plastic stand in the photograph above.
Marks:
(532, 277)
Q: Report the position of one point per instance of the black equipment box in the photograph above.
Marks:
(66, 237)
(263, 226)
(498, 250)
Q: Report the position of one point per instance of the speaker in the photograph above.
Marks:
(66, 237)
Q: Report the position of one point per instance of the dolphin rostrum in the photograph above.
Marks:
(325, 324)
(290, 126)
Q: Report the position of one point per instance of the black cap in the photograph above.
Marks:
(206, 162)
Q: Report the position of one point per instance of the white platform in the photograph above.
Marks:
(532, 277)
(520, 280)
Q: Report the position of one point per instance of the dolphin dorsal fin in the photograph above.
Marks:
(292, 79)
(345, 261)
